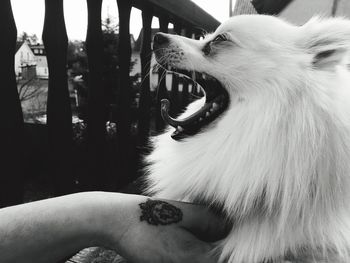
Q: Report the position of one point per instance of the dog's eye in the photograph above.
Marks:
(220, 38)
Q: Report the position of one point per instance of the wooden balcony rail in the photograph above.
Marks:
(96, 120)
(59, 113)
(146, 56)
(162, 89)
(186, 17)
(11, 135)
(181, 11)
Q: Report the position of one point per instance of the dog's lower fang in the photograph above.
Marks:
(191, 124)
(184, 123)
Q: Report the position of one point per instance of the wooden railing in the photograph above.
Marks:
(187, 19)
(11, 176)
(59, 113)
(96, 112)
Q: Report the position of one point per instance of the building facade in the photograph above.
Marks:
(24, 58)
(42, 69)
(30, 60)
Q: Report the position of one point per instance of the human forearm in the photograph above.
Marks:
(141, 229)
(52, 229)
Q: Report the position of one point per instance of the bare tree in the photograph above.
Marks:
(29, 89)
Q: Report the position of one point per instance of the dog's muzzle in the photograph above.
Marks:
(216, 98)
(214, 106)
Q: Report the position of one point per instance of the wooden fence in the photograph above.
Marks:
(187, 19)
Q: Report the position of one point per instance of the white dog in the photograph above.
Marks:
(273, 147)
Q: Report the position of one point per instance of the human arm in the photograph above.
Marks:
(49, 230)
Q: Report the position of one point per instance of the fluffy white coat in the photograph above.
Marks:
(279, 158)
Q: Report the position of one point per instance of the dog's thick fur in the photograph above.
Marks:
(279, 158)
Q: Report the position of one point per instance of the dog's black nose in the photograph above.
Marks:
(160, 39)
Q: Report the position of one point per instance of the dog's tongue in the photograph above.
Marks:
(216, 103)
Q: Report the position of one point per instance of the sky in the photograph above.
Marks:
(29, 15)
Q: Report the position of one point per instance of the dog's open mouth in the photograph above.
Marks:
(216, 102)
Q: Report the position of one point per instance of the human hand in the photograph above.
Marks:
(157, 231)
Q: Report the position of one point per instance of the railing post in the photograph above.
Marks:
(11, 140)
(125, 153)
(334, 7)
(96, 120)
(146, 56)
(268, 7)
(174, 94)
(185, 89)
(162, 89)
(59, 114)
(198, 33)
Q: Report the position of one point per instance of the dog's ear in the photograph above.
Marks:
(328, 41)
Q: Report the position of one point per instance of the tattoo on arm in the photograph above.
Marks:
(157, 212)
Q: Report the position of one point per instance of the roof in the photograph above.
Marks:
(18, 45)
(39, 46)
(38, 49)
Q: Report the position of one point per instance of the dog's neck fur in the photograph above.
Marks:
(289, 166)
